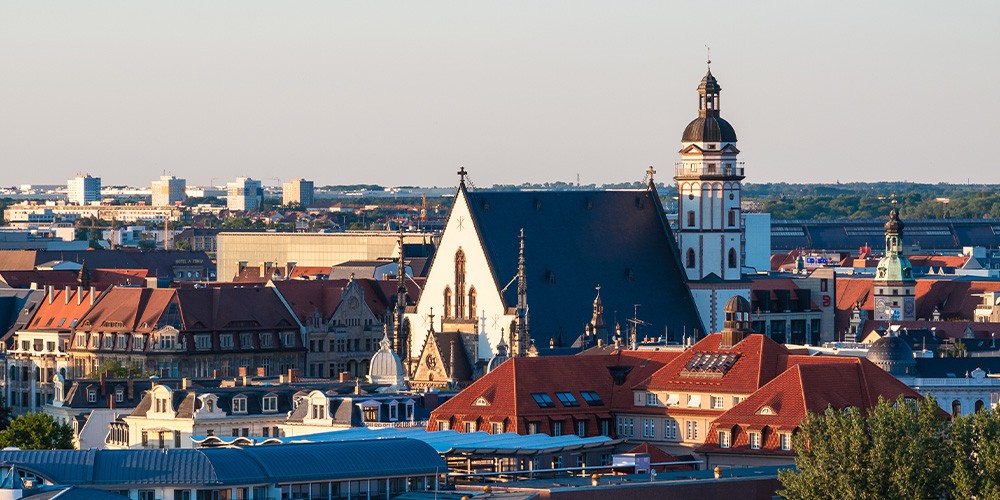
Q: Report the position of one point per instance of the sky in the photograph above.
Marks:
(405, 92)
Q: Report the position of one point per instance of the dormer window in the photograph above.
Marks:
(162, 405)
(119, 395)
(240, 404)
(393, 411)
(91, 395)
(270, 403)
(318, 411)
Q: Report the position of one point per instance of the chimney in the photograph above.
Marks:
(49, 290)
(294, 375)
(66, 294)
(91, 295)
(215, 374)
(104, 387)
(345, 377)
(185, 383)
(79, 295)
(131, 389)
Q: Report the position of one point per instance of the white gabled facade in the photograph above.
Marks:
(489, 314)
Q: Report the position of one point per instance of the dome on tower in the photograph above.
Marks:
(893, 355)
(709, 84)
(386, 367)
(499, 357)
(738, 304)
(709, 129)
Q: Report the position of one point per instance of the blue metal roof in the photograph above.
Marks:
(445, 442)
(332, 460)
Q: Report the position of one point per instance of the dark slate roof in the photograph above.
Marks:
(849, 235)
(159, 262)
(575, 240)
(709, 129)
(231, 465)
(75, 493)
(16, 307)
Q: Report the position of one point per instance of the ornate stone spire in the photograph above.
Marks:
(523, 338)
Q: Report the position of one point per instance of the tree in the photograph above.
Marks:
(898, 449)
(4, 413)
(976, 450)
(37, 431)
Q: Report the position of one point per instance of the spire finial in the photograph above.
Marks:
(650, 172)
(708, 58)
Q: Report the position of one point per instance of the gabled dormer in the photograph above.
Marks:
(208, 407)
(161, 404)
(317, 409)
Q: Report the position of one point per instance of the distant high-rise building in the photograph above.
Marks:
(84, 189)
(169, 190)
(244, 194)
(297, 192)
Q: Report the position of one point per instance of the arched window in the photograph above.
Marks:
(732, 218)
(979, 405)
(472, 302)
(690, 218)
(459, 284)
(690, 258)
(447, 302)
(732, 258)
(956, 408)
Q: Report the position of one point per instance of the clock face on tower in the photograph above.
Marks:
(879, 306)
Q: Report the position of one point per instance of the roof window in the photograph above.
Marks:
(543, 399)
(567, 399)
(592, 398)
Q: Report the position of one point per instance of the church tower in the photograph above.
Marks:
(709, 223)
(709, 182)
(894, 285)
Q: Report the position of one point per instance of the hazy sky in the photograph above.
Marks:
(516, 91)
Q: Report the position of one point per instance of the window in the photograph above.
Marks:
(732, 218)
(581, 428)
(532, 427)
(167, 341)
(755, 440)
(177, 439)
(732, 258)
(690, 218)
(202, 342)
(81, 340)
(543, 399)
(557, 429)
(470, 427)
(717, 402)
(737, 400)
(472, 302)
(670, 429)
(147, 495)
(145, 439)
(266, 339)
(270, 403)
(592, 398)
(246, 341)
(226, 341)
(690, 258)
(786, 441)
(651, 399)
(497, 428)
(444, 425)
(625, 426)
(567, 399)
(648, 428)
(267, 432)
(459, 284)
(694, 401)
(605, 427)
(690, 430)
(240, 404)
(91, 395)
(723, 439)
(447, 303)
(119, 395)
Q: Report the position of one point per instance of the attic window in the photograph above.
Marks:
(543, 400)
(270, 403)
(240, 404)
(592, 398)
(567, 399)
(766, 410)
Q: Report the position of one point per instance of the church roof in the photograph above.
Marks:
(575, 240)
(709, 129)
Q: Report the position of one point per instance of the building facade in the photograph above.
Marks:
(297, 192)
(244, 194)
(83, 189)
(168, 191)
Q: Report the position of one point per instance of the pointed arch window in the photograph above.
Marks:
(690, 258)
(447, 302)
(459, 284)
(472, 302)
(732, 258)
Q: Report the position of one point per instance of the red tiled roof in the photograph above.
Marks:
(128, 309)
(760, 360)
(809, 386)
(508, 389)
(63, 309)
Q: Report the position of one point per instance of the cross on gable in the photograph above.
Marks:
(462, 174)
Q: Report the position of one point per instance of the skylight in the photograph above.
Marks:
(709, 364)
(567, 399)
(592, 398)
(543, 399)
